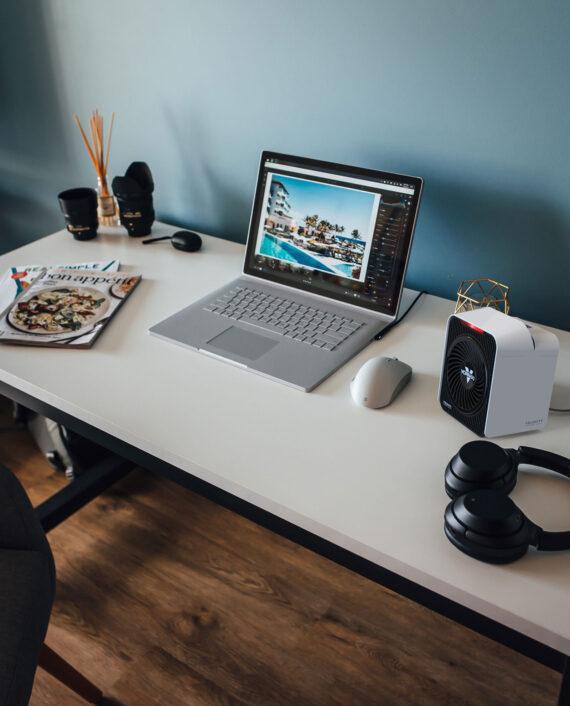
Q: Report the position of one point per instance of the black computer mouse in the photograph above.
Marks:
(186, 240)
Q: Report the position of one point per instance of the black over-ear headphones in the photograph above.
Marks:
(481, 520)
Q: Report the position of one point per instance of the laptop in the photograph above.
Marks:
(323, 272)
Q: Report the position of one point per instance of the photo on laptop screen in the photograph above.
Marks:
(322, 226)
(337, 231)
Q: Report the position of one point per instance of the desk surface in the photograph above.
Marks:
(368, 481)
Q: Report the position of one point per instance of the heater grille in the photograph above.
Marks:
(467, 374)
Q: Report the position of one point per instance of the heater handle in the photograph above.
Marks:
(544, 459)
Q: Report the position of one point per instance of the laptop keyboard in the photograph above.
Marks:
(306, 324)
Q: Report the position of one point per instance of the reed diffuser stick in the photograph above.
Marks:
(86, 142)
(109, 141)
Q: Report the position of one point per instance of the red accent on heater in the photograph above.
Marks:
(472, 326)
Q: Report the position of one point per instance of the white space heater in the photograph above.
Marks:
(498, 372)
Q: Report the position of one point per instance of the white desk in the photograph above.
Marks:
(367, 481)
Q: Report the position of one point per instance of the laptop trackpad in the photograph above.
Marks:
(242, 343)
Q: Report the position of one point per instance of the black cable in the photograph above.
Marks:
(380, 336)
(556, 409)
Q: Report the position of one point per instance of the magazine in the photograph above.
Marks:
(65, 307)
(16, 279)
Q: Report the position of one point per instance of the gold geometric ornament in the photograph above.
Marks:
(477, 293)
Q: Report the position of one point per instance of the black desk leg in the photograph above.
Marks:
(82, 490)
(564, 696)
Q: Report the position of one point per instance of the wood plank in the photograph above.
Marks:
(165, 598)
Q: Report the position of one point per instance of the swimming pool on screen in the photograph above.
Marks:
(272, 246)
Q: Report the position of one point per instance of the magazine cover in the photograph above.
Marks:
(16, 279)
(65, 307)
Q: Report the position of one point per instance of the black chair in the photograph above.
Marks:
(27, 587)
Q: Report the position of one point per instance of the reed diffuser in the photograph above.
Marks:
(107, 210)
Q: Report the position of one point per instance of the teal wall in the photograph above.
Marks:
(473, 95)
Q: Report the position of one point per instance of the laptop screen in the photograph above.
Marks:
(339, 231)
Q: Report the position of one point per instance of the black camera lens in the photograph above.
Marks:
(79, 207)
(136, 214)
(134, 196)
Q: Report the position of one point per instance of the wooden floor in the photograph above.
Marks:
(165, 598)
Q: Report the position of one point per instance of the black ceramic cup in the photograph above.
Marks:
(79, 206)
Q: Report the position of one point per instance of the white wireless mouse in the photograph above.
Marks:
(379, 381)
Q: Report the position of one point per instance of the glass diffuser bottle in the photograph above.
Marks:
(107, 210)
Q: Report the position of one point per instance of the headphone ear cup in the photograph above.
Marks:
(487, 525)
(480, 465)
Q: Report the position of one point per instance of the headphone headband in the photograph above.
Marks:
(552, 541)
(544, 459)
